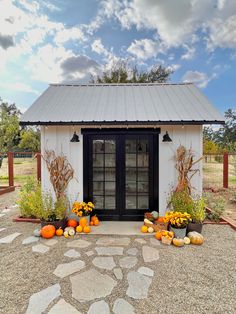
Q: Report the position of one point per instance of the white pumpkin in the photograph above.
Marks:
(150, 230)
(37, 232)
(70, 230)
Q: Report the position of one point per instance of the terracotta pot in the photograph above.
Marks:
(56, 223)
(194, 226)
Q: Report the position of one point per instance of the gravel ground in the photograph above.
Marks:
(192, 279)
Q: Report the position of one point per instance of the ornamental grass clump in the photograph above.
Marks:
(177, 220)
(82, 209)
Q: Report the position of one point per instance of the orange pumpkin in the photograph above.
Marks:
(91, 223)
(94, 218)
(48, 231)
(59, 232)
(87, 229)
(96, 222)
(83, 222)
(72, 223)
(160, 219)
(79, 229)
(158, 235)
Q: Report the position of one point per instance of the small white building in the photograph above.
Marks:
(121, 140)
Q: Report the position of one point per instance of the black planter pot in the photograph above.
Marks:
(56, 223)
(194, 226)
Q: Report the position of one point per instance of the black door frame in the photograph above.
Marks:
(153, 134)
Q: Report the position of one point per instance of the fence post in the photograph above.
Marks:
(226, 171)
(10, 156)
(39, 166)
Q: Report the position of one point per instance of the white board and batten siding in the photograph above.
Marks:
(58, 138)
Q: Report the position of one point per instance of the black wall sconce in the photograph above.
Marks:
(75, 138)
(166, 138)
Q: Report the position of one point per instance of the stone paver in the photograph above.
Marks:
(1, 229)
(100, 307)
(62, 307)
(146, 271)
(141, 241)
(40, 248)
(155, 242)
(29, 240)
(67, 269)
(118, 273)
(72, 253)
(91, 285)
(122, 307)
(133, 251)
(149, 254)
(138, 285)
(79, 244)
(110, 250)
(10, 238)
(128, 261)
(6, 210)
(50, 242)
(39, 301)
(1, 215)
(104, 262)
(89, 253)
(109, 241)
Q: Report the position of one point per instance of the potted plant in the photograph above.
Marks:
(181, 201)
(198, 215)
(82, 209)
(178, 223)
(53, 213)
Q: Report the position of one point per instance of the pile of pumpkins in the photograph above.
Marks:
(72, 228)
(148, 225)
(192, 237)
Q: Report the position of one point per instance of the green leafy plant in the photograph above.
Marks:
(217, 207)
(51, 210)
(181, 201)
(198, 212)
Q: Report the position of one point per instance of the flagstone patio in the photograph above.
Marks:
(115, 274)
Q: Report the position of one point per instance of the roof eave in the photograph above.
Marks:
(125, 123)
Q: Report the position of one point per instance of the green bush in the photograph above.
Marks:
(217, 207)
(181, 201)
(198, 212)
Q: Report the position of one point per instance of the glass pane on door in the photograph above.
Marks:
(104, 173)
(137, 173)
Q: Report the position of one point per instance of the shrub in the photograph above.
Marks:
(181, 201)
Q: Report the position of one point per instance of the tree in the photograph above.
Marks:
(30, 140)
(210, 147)
(9, 126)
(121, 73)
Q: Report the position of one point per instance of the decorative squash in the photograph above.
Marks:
(59, 232)
(144, 229)
(93, 218)
(72, 223)
(147, 221)
(160, 219)
(96, 222)
(158, 235)
(186, 240)
(83, 222)
(178, 242)
(150, 230)
(154, 214)
(48, 231)
(195, 238)
(37, 232)
(70, 230)
(87, 229)
(79, 229)
(66, 234)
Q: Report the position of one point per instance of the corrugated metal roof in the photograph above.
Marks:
(122, 103)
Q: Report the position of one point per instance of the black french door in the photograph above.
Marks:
(121, 172)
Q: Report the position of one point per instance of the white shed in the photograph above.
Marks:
(121, 140)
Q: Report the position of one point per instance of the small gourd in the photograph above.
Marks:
(70, 230)
(178, 242)
(195, 238)
(37, 232)
(155, 214)
(186, 240)
(148, 221)
(150, 230)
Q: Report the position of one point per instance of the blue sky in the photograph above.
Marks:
(55, 41)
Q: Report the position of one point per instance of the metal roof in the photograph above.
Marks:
(122, 104)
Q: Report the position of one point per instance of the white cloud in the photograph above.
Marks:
(98, 47)
(67, 34)
(20, 87)
(200, 78)
(189, 54)
(144, 48)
